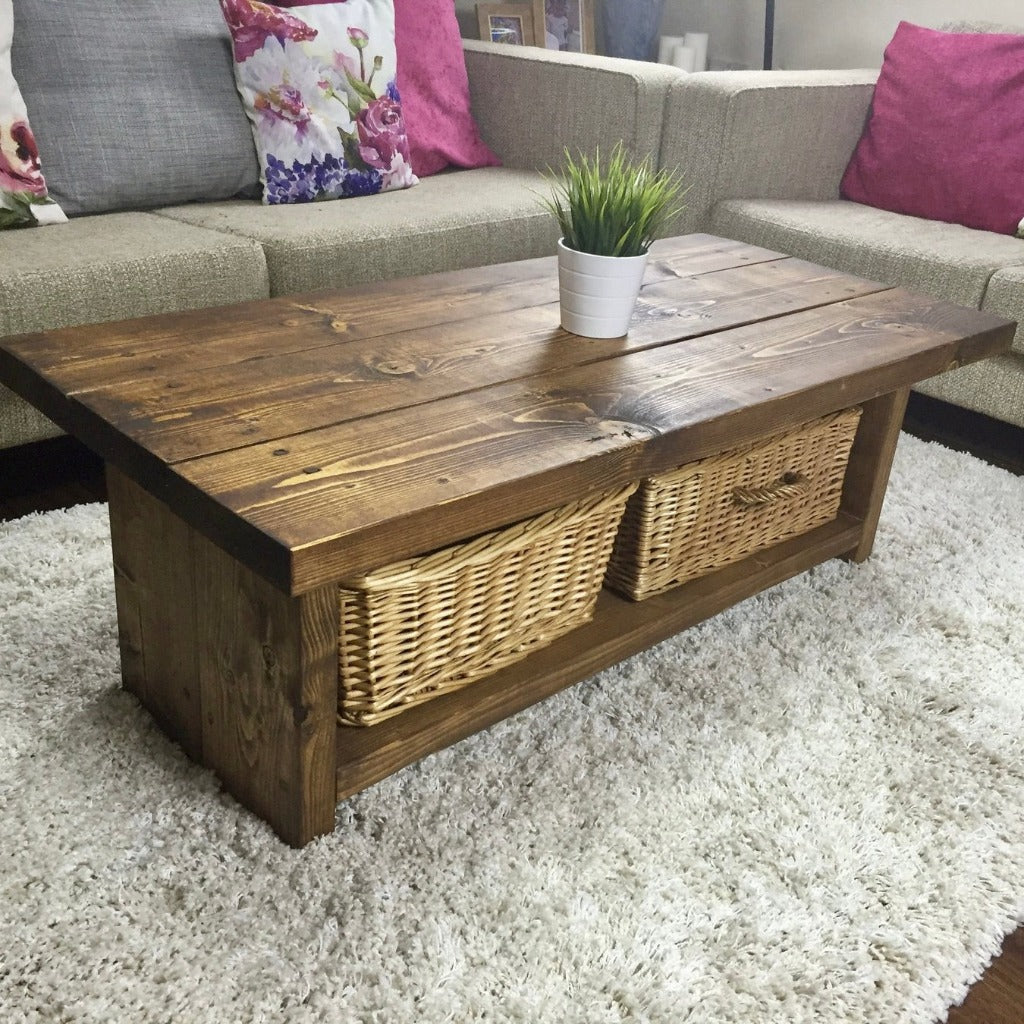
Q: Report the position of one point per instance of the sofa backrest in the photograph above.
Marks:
(981, 26)
(133, 105)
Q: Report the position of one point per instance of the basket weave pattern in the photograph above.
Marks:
(703, 516)
(416, 629)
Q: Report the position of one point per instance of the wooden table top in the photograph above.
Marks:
(319, 436)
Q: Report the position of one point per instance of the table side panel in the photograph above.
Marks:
(268, 671)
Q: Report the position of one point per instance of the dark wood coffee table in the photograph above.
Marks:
(259, 453)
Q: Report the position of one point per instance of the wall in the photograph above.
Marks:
(808, 33)
(820, 33)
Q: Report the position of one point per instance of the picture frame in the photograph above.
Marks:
(565, 25)
(506, 23)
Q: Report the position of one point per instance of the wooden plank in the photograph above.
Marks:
(185, 415)
(619, 628)
(345, 498)
(156, 610)
(867, 474)
(268, 669)
(87, 356)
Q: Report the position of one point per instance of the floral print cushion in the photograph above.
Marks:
(318, 84)
(23, 198)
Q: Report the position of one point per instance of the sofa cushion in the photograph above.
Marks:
(994, 387)
(133, 106)
(945, 135)
(451, 220)
(1005, 296)
(434, 87)
(121, 265)
(945, 260)
(108, 268)
(23, 194)
(319, 85)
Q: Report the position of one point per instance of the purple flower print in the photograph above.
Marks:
(361, 183)
(284, 103)
(381, 133)
(252, 24)
(324, 177)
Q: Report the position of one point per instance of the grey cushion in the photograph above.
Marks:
(133, 105)
(448, 221)
(947, 260)
(119, 265)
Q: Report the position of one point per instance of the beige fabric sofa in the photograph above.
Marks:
(529, 103)
(765, 152)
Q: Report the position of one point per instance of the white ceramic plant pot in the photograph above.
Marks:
(598, 293)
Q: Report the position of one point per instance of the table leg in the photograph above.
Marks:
(870, 462)
(243, 676)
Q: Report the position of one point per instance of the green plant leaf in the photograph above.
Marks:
(612, 207)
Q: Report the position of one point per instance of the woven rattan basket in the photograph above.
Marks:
(693, 520)
(414, 630)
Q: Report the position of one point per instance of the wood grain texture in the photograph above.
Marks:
(187, 416)
(507, 451)
(153, 585)
(317, 436)
(242, 676)
(92, 355)
(867, 474)
(268, 671)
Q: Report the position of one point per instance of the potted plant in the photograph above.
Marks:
(609, 212)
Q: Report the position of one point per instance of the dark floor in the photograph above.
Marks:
(60, 472)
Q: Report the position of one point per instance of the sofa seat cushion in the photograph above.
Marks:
(113, 267)
(451, 220)
(994, 387)
(121, 265)
(1005, 296)
(945, 260)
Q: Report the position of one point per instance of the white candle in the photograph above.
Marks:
(698, 42)
(684, 57)
(665, 47)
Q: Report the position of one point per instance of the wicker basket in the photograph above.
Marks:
(693, 520)
(417, 629)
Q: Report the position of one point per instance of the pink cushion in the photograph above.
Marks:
(434, 87)
(945, 136)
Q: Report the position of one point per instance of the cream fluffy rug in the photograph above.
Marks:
(807, 810)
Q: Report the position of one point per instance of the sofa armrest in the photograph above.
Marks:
(530, 104)
(762, 135)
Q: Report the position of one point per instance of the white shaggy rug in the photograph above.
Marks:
(807, 810)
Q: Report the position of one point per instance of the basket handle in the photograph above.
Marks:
(789, 485)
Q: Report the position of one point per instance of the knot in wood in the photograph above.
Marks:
(618, 428)
(396, 367)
